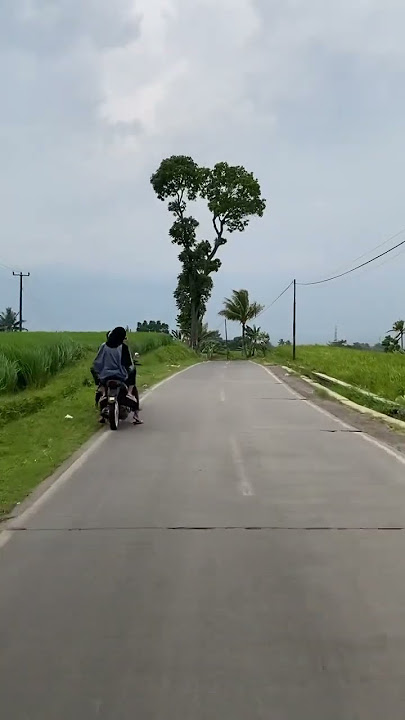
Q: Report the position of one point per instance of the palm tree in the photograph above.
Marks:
(179, 335)
(206, 336)
(257, 340)
(264, 342)
(9, 321)
(390, 344)
(210, 348)
(399, 328)
(239, 309)
(253, 335)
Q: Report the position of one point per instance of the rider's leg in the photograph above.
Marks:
(132, 389)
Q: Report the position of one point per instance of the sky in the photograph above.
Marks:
(306, 94)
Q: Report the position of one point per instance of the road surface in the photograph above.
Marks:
(236, 558)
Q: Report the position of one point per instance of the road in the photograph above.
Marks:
(232, 559)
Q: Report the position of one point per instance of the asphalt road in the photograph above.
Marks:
(236, 558)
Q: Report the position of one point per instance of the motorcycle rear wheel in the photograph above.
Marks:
(114, 415)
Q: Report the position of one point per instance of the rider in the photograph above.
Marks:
(113, 361)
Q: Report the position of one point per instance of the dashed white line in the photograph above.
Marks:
(245, 486)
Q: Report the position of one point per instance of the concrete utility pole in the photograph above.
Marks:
(21, 276)
(294, 318)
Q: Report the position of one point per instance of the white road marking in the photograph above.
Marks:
(99, 440)
(326, 413)
(5, 536)
(244, 485)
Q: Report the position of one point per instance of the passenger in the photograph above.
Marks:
(114, 362)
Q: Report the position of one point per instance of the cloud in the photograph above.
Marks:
(184, 69)
(306, 93)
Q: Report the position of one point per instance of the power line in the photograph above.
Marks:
(377, 247)
(357, 267)
(275, 300)
(390, 259)
(7, 267)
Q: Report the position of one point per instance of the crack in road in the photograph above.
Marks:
(311, 528)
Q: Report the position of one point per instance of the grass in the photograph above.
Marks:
(31, 364)
(35, 444)
(31, 359)
(379, 373)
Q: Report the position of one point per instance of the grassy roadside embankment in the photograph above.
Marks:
(380, 373)
(35, 435)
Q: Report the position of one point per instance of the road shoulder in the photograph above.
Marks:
(378, 429)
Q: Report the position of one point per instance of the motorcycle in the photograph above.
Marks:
(112, 403)
(115, 404)
(113, 400)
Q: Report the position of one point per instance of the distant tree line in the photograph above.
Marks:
(378, 347)
(393, 341)
(155, 326)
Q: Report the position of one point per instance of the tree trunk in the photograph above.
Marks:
(194, 326)
(402, 340)
(244, 338)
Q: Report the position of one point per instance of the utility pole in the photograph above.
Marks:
(226, 341)
(21, 276)
(294, 317)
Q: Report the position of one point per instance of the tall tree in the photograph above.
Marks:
(179, 180)
(9, 321)
(238, 308)
(233, 196)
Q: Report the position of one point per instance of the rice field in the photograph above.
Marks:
(31, 359)
(377, 372)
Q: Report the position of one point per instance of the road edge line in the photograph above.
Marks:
(56, 480)
(365, 436)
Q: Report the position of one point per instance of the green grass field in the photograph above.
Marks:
(380, 373)
(31, 359)
(35, 434)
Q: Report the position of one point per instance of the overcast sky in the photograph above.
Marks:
(307, 94)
